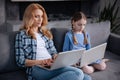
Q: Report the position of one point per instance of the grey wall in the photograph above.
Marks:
(9, 11)
(12, 10)
(2, 11)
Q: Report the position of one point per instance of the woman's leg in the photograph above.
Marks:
(70, 75)
(66, 73)
(87, 77)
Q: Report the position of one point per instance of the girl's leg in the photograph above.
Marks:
(100, 66)
(66, 73)
(88, 69)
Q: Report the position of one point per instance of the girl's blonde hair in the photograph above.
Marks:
(77, 16)
(28, 20)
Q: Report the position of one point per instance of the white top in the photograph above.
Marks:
(42, 52)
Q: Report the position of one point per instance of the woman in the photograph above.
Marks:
(34, 48)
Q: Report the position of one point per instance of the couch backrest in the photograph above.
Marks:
(7, 54)
(6, 27)
(99, 33)
(58, 37)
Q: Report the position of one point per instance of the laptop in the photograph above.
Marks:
(93, 54)
(66, 58)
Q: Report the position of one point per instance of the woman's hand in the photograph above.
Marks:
(54, 56)
(46, 62)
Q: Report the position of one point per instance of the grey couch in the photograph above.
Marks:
(100, 33)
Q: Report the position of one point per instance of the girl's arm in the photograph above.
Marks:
(88, 46)
(66, 45)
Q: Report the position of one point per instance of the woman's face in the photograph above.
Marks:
(79, 25)
(38, 18)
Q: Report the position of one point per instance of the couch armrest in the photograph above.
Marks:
(114, 43)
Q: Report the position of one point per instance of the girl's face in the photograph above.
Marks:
(79, 25)
(38, 18)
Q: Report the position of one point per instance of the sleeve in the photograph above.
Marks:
(52, 48)
(88, 46)
(66, 44)
(20, 58)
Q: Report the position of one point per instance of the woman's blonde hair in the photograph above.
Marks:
(28, 20)
(77, 16)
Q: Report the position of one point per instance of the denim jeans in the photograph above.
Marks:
(66, 73)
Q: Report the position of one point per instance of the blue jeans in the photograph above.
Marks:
(66, 73)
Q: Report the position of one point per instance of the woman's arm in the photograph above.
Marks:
(52, 48)
(20, 58)
(32, 62)
(21, 55)
(45, 62)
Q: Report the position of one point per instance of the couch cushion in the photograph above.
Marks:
(15, 75)
(7, 54)
(99, 32)
(6, 27)
(58, 37)
(4, 50)
(112, 71)
(114, 43)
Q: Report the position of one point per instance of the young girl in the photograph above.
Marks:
(78, 38)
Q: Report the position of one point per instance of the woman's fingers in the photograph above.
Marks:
(55, 56)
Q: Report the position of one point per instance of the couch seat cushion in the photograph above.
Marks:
(112, 71)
